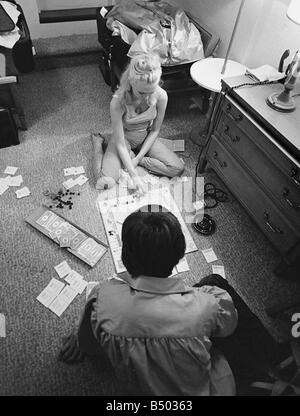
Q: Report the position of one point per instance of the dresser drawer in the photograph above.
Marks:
(280, 156)
(280, 186)
(269, 218)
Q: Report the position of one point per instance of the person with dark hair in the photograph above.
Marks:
(155, 330)
(160, 336)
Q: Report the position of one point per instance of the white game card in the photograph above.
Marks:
(10, 170)
(81, 180)
(79, 170)
(209, 255)
(2, 326)
(3, 188)
(21, 193)
(63, 269)
(76, 281)
(63, 300)
(216, 269)
(178, 145)
(182, 266)
(15, 180)
(69, 171)
(50, 292)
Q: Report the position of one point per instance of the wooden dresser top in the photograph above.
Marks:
(285, 127)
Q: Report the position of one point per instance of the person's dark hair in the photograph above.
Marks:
(153, 242)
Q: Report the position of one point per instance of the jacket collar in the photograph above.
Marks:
(158, 285)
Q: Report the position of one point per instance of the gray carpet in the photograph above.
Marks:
(62, 106)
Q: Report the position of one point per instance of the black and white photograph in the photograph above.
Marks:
(149, 201)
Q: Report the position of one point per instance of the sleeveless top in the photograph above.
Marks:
(137, 125)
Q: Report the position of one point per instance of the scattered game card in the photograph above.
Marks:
(21, 193)
(10, 170)
(89, 287)
(63, 269)
(219, 270)
(209, 255)
(182, 266)
(76, 281)
(178, 145)
(63, 300)
(69, 171)
(81, 180)
(15, 180)
(198, 205)
(69, 183)
(79, 170)
(3, 188)
(2, 326)
(50, 292)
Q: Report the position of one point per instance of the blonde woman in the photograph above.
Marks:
(137, 111)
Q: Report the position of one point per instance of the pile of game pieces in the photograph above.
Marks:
(61, 199)
(57, 295)
(13, 181)
(80, 180)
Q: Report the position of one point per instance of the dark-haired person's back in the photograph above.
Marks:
(154, 329)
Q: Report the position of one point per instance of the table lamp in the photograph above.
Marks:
(282, 101)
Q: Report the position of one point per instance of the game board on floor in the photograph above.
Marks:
(115, 210)
(68, 235)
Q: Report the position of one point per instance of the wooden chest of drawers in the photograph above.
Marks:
(256, 150)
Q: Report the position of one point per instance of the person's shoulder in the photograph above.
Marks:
(161, 95)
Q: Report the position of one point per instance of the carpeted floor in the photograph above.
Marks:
(62, 106)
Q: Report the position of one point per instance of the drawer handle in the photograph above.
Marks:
(222, 164)
(226, 129)
(291, 203)
(293, 176)
(238, 118)
(272, 227)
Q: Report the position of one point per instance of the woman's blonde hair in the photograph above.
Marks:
(143, 67)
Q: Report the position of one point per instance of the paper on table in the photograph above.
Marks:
(50, 292)
(63, 269)
(217, 269)
(2, 326)
(182, 266)
(11, 10)
(3, 188)
(10, 170)
(209, 255)
(63, 300)
(174, 272)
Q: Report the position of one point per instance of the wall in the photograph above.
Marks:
(45, 30)
(263, 33)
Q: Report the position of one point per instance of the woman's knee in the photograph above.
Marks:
(105, 182)
(176, 169)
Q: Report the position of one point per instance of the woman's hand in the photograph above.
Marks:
(139, 185)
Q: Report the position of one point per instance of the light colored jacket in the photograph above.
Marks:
(156, 333)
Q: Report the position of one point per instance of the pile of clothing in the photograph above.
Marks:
(9, 32)
(156, 26)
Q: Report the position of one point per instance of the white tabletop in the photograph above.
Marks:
(207, 72)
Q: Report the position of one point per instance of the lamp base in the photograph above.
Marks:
(287, 104)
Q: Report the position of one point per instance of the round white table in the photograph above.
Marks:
(207, 74)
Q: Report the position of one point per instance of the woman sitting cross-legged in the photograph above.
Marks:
(137, 111)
